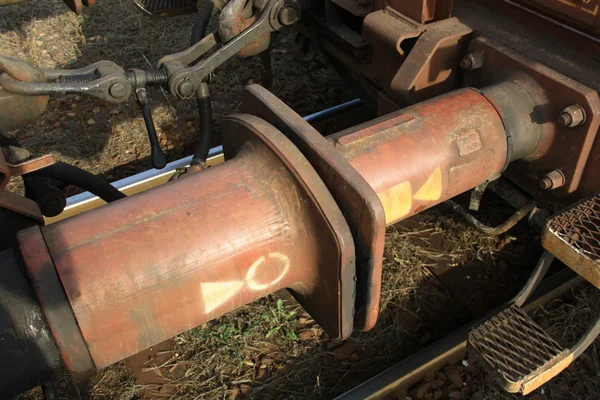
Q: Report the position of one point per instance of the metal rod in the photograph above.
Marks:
(489, 230)
(184, 162)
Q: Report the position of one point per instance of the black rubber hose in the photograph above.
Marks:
(201, 21)
(157, 157)
(76, 176)
(206, 129)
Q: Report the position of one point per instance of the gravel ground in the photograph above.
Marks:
(271, 348)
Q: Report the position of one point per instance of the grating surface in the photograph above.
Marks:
(166, 7)
(513, 346)
(579, 227)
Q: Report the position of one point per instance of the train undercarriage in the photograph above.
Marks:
(469, 97)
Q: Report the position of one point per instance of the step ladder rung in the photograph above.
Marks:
(516, 350)
(573, 236)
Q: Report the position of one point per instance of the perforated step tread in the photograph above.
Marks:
(573, 236)
(516, 350)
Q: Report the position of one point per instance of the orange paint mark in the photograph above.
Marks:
(396, 201)
(432, 188)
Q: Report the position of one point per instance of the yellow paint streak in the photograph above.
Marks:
(547, 374)
(432, 188)
(568, 2)
(396, 201)
(574, 4)
(216, 294)
(593, 12)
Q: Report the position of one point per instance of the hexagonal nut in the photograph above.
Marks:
(472, 61)
(572, 116)
(553, 180)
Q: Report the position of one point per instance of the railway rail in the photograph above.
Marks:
(395, 382)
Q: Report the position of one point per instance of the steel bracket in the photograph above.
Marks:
(326, 293)
(560, 148)
(357, 200)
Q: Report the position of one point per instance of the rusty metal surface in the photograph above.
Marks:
(461, 135)
(21, 205)
(420, 11)
(54, 303)
(583, 14)
(17, 110)
(151, 266)
(4, 171)
(562, 148)
(573, 236)
(236, 17)
(387, 29)
(31, 165)
(430, 68)
(359, 203)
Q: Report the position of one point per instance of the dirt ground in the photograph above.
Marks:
(271, 348)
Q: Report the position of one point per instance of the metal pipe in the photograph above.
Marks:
(167, 260)
(206, 129)
(427, 153)
(76, 176)
(216, 151)
(201, 22)
(493, 230)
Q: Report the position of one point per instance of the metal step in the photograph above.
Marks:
(573, 236)
(516, 351)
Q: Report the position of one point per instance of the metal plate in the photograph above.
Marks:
(54, 303)
(515, 349)
(566, 149)
(573, 236)
(357, 200)
(330, 297)
(580, 13)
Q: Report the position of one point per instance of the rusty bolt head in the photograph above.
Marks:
(186, 89)
(118, 90)
(472, 61)
(287, 16)
(572, 116)
(552, 180)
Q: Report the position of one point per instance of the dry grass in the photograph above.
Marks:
(270, 348)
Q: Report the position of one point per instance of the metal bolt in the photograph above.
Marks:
(553, 180)
(287, 16)
(572, 116)
(186, 89)
(118, 90)
(472, 61)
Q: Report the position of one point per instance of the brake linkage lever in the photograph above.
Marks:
(189, 68)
